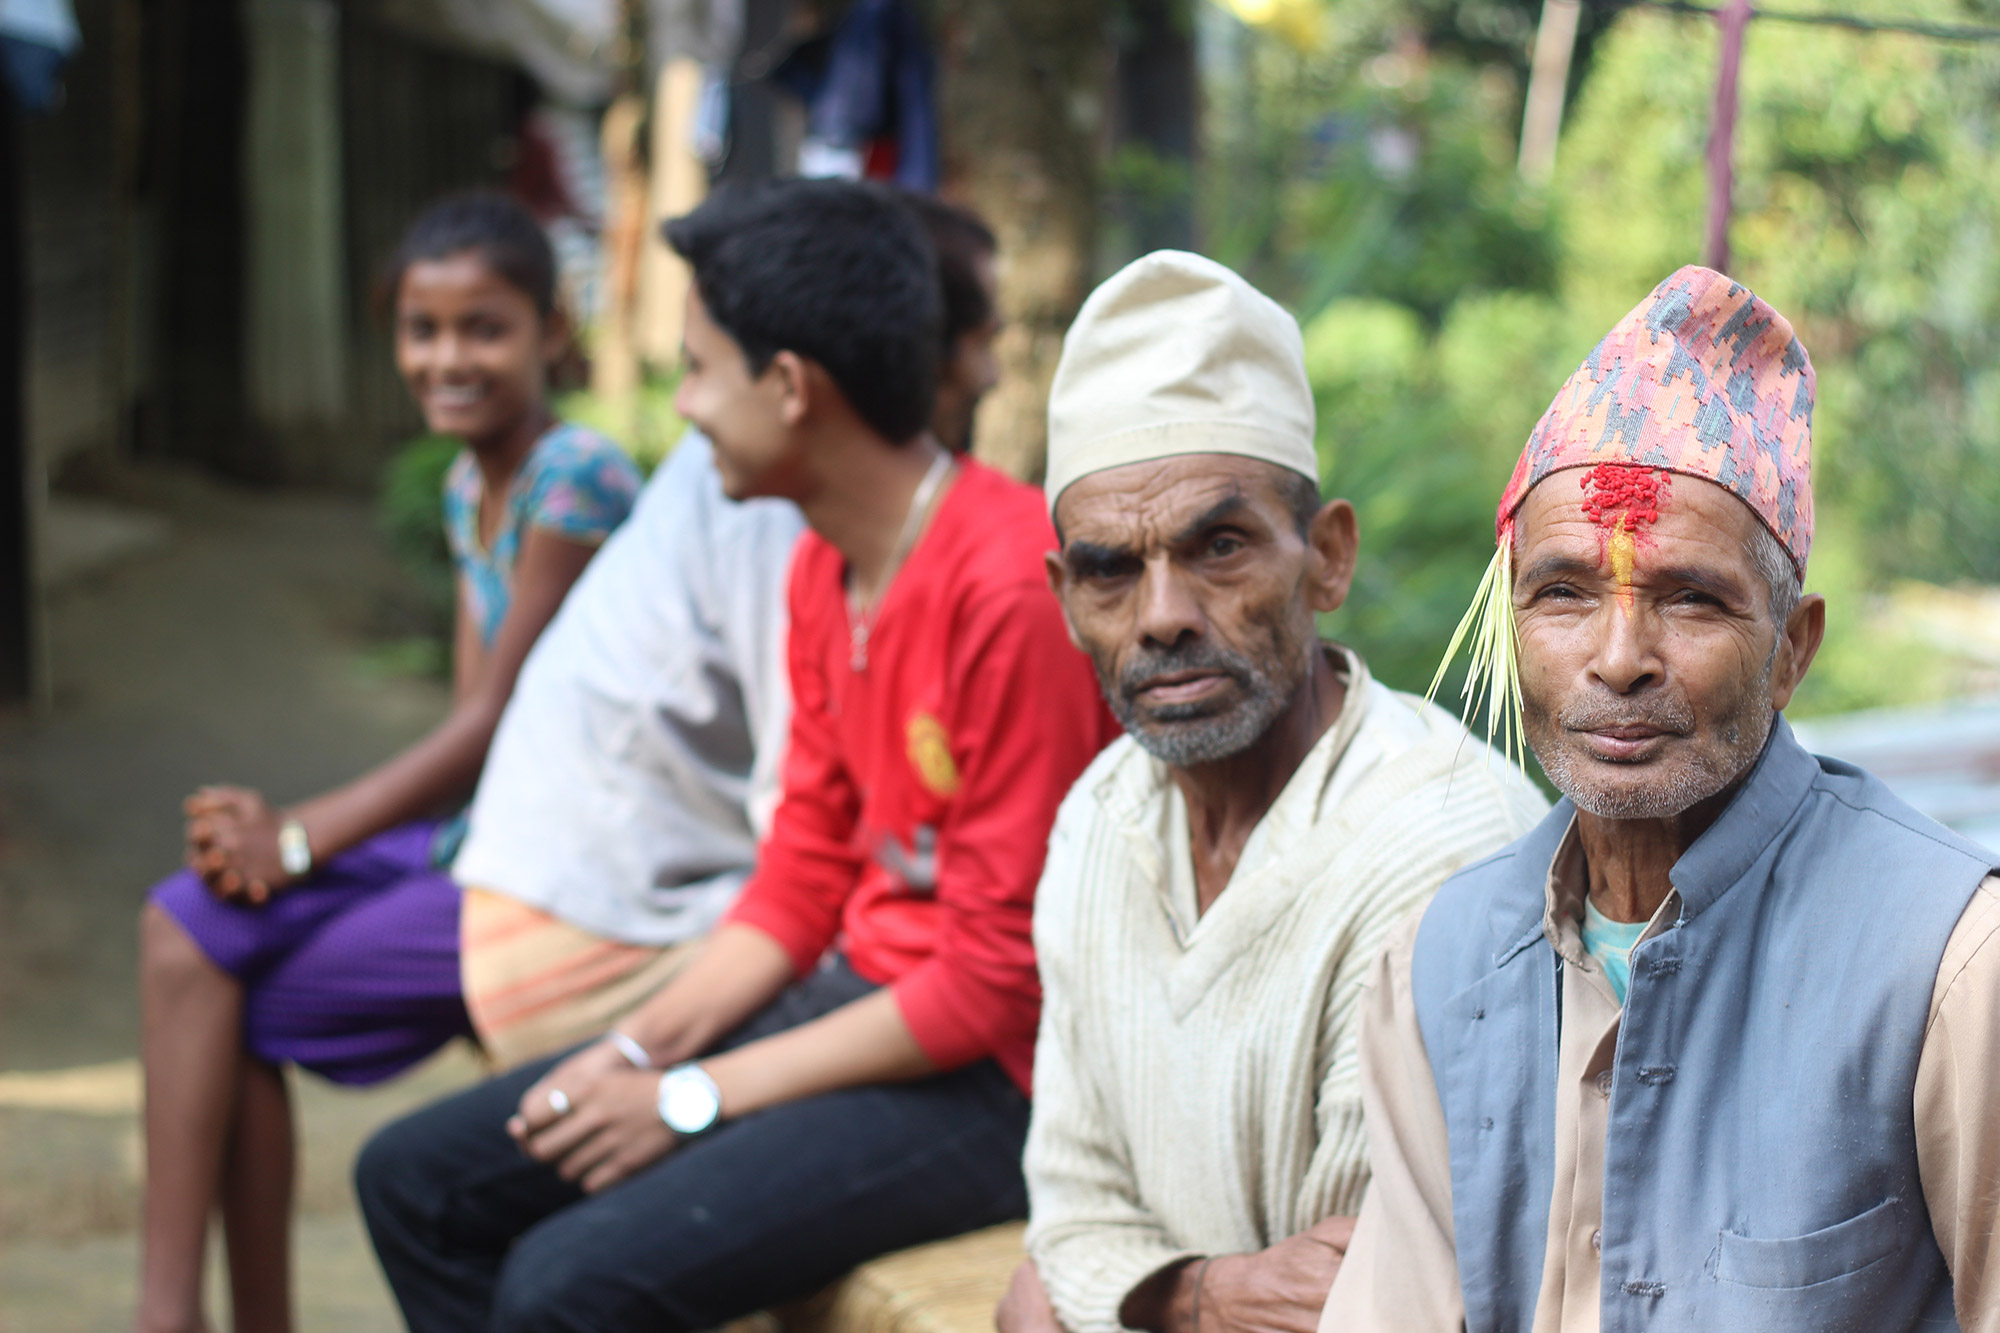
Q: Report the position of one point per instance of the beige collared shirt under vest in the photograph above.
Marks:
(1401, 1274)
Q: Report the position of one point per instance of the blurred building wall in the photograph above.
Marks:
(418, 119)
(202, 217)
(296, 309)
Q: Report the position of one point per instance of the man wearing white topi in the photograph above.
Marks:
(1219, 880)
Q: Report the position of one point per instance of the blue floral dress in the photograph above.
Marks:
(574, 482)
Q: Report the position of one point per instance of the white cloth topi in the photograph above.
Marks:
(1175, 354)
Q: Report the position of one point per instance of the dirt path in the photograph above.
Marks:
(240, 639)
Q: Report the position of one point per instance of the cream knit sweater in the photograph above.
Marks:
(1196, 1088)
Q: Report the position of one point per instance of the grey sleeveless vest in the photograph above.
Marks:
(1761, 1167)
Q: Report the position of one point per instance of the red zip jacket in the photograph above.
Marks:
(919, 791)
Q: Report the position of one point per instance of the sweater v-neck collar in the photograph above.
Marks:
(1149, 809)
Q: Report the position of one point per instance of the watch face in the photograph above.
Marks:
(688, 1101)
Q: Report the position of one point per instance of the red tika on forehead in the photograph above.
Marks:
(1615, 492)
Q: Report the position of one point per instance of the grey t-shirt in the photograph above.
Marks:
(636, 765)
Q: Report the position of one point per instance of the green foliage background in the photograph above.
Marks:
(1443, 301)
(410, 510)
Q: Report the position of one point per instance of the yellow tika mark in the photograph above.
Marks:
(1624, 552)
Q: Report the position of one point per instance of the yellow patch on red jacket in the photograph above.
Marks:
(929, 747)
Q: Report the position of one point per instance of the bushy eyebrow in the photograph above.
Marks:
(1709, 581)
(1227, 507)
(1556, 567)
(1091, 560)
(1088, 560)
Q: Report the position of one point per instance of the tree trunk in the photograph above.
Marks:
(1022, 87)
(1158, 95)
(1548, 83)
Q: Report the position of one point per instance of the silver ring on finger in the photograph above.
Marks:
(559, 1101)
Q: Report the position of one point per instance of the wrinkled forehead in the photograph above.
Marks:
(1162, 500)
(1642, 502)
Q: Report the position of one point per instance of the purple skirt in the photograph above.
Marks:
(352, 972)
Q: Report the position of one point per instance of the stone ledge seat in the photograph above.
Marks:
(950, 1286)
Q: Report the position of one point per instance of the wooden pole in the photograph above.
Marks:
(1548, 85)
(676, 181)
(614, 357)
(17, 562)
(614, 353)
(1722, 135)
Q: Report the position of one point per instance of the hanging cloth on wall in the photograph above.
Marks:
(709, 33)
(37, 38)
(869, 87)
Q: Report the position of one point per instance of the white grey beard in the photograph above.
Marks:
(1654, 800)
(1657, 798)
(1205, 740)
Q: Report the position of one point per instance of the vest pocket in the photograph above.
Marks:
(1820, 1256)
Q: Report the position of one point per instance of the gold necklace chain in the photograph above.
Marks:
(859, 621)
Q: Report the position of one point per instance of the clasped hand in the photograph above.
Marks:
(232, 843)
(612, 1127)
(1276, 1290)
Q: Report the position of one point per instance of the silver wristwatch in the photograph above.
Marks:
(689, 1100)
(295, 852)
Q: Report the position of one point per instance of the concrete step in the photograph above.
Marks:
(71, 1160)
(71, 1171)
(87, 1285)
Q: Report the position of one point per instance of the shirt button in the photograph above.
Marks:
(1597, 1241)
(1604, 1083)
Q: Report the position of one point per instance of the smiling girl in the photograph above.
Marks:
(325, 934)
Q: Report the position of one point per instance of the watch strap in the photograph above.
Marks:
(294, 849)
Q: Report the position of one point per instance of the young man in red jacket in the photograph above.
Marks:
(844, 1070)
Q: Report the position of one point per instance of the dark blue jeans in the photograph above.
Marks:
(474, 1234)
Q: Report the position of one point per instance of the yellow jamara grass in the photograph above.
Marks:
(1493, 675)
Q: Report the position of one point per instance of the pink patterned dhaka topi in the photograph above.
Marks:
(1702, 379)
